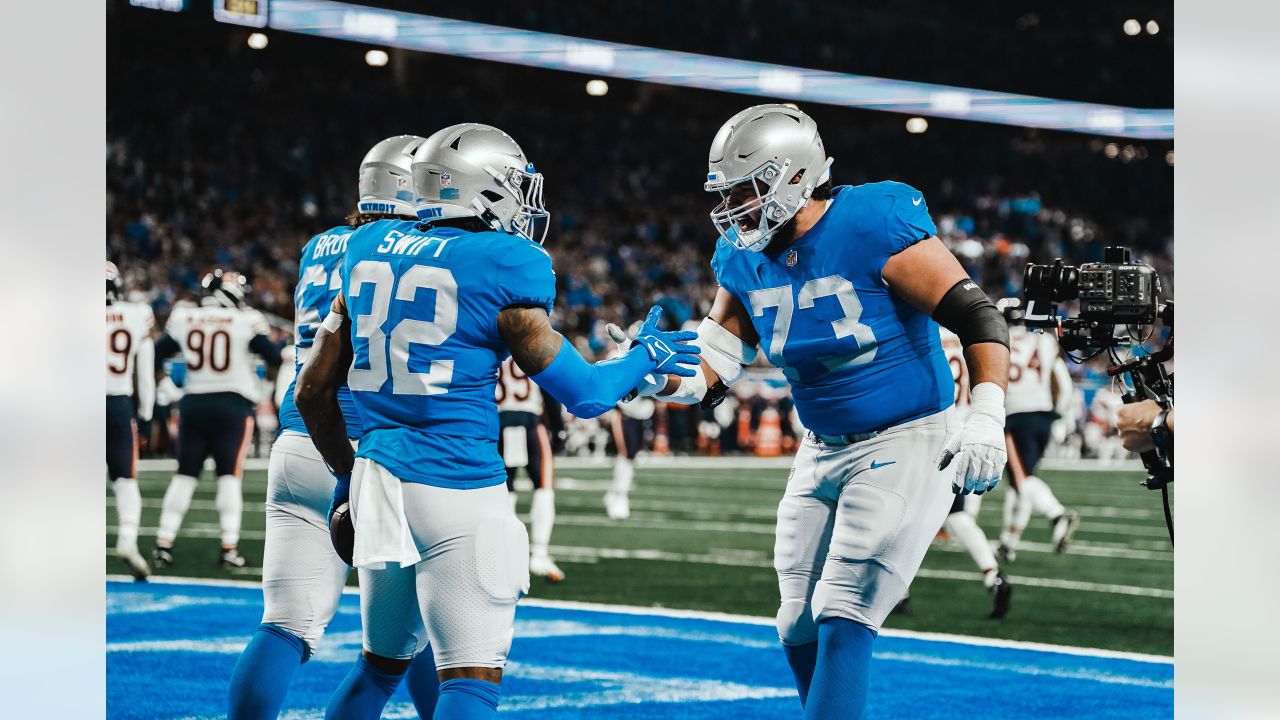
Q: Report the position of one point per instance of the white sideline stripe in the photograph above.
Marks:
(694, 461)
(713, 616)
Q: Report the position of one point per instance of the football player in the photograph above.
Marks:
(217, 340)
(842, 287)
(302, 575)
(426, 314)
(962, 522)
(1039, 384)
(627, 425)
(524, 442)
(130, 353)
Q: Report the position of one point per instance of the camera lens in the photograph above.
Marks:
(1058, 282)
(1065, 284)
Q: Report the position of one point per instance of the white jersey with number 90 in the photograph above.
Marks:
(215, 347)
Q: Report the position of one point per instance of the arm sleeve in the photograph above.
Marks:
(907, 220)
(588, 390)
(523, 274)
(270, 352)
(144, 371)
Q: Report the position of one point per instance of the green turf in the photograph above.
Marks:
(703, 539)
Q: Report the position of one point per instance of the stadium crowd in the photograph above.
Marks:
(247, 154)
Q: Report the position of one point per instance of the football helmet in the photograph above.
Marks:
(225, 287)
(766, 146)
(386, 176)
(475, 170)
(115, 288)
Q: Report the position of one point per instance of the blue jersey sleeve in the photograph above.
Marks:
(906, 216)
(523, 273)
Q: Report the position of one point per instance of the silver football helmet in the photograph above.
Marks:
(475, 170)
(767, 146)
(386, 177)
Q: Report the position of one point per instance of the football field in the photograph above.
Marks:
(700, 538)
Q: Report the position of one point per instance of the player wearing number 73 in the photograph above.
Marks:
(426, 314)
(842, 287)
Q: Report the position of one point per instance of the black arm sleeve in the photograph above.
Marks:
(270, 352)
(166, 346)
(967, 311)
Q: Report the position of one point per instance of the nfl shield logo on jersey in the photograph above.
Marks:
(446, 180)
(792, 258)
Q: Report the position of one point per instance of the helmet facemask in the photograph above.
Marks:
(531, 219)
(764, 213)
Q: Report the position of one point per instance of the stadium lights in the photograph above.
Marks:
(917, 125)
(1153, 27)
(377, 58)
(597, 87)
(1132, 27)
(1168, 158)
(257, 40)
(1111, 150)
(460, 38)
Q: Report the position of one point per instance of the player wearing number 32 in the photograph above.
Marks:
(427, 313)
(839, 285)
(217, 340)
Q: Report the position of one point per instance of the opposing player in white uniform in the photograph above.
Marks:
(302, 574)
(218, 340)
(839, 286)
(130, 354)
(626, 423)
(1039, 385)
(962, 523)
(525, 443)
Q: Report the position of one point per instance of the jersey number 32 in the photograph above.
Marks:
(388, 355)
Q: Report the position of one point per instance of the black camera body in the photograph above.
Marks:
(1115, 294)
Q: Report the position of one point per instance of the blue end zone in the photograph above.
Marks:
(171, 649)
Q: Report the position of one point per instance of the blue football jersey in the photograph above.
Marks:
(858, 357)
(319, 280)
(424, 307)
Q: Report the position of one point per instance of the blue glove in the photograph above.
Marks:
(341, 493)
(668, 349)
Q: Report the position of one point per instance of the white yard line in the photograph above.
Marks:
(728, 618)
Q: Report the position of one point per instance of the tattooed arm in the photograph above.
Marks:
(590, 390)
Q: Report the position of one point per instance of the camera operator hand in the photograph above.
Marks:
(1135, 423)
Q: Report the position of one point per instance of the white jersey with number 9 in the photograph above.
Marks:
(515, 392)
(128, 327)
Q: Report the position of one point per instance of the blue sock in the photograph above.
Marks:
(262, 674)
(841, 677)
(424, 683)
(802, 659)
(363, 693)
(467, 699)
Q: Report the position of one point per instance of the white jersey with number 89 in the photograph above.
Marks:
(215, 346)
(515, 392)
(128, 327)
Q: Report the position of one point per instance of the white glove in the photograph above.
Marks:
(977, 449)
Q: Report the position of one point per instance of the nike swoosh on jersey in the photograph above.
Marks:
(917, 201)
(877, 465)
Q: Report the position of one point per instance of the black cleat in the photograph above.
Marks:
(162, 556)
(232, 559)
(1006, 554)
(1001, 591)
(903, 607)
